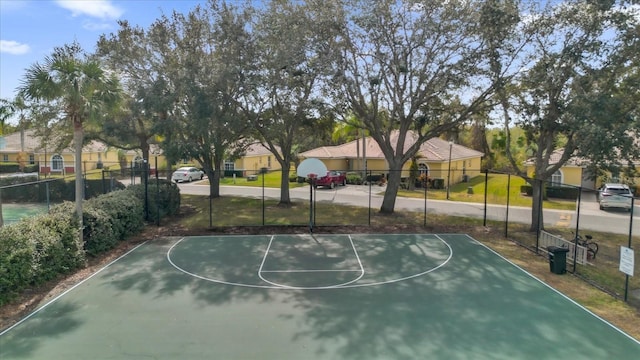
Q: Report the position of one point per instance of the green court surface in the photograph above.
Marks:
(12, 213)
(314, 297)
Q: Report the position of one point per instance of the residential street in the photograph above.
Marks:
(591, 217)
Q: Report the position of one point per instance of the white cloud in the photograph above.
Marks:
(13, 47)
(102, 9)
(93, 26)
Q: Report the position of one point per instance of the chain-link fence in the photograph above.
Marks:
(569, 213)
(569, 216)
(28, 194)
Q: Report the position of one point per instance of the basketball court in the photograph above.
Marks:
(322, 296)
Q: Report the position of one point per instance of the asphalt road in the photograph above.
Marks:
(590, 216)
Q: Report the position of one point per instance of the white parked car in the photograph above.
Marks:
(187, 174)
(615, 196)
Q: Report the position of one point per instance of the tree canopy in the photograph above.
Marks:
(207, 83)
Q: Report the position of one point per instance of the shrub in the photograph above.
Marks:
(97, 187)
(41, 248)
(438, 183)
(230, 173)
(97, 230)
(15, 262)
(163, 198)
(556, 192)
(526, 189)
(125, 210)
(9, 167)
(37, 249)
(562, 192)
(354, 178)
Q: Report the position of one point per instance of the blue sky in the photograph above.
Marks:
(30, 29)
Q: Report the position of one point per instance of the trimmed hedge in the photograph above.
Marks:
(9, 167)
(44, 247)
(230, 173)
(556, 192)
(36, 250)
(354, 178)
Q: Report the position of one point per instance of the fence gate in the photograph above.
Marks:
(547, 239)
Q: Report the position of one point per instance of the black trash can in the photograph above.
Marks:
(557, 259)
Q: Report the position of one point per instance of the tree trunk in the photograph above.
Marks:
(78, 138)
(145, 147)
(391, 193)
(1, 218)
(285, 198)
(214, 183)
(536, 210)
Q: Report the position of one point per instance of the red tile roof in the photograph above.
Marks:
(433, 150)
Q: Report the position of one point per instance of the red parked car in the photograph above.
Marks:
(332, 179)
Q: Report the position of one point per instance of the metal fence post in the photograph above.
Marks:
(506, 219)
(575, 240)
(425, 184)
(486, 190)
(157, 193)
(369, 176)
(626, 280)
(145, 173)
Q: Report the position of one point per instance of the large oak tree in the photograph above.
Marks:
(568, 96)
(410, 71)
(200, 54)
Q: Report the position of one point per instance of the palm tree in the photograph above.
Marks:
(7, 110)
(80, 90)
(350, 130)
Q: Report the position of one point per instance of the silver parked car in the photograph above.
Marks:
(615, 196)
(187, 174)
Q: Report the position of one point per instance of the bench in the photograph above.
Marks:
(252, 177)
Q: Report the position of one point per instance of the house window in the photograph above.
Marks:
(57, 163)
(556, 178)
(229, 165)
(423, 169)
(5, 157)
(269, 162)
(32, 159)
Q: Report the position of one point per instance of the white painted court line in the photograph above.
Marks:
(550, 287)
(284, 286)
(414, 275)
(307, 271)
(256, 286)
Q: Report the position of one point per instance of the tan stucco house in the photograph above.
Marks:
(573, 172)
(95, 154)
(255, 157)
(437, 157)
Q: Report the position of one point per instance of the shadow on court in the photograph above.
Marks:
(420, 297)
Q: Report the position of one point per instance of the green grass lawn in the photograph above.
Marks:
(271, 180)
(497, 186)
(241, 211)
